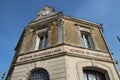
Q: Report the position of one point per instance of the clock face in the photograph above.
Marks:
(45, 13)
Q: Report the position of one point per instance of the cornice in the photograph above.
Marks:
(60, 55)
(41, 58)
(45, 19)
(82, 21)
(62, 50)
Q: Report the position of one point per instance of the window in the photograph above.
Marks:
(39, 74)
(85, 36)
(93, 75)
(86, 39)
(43, 41)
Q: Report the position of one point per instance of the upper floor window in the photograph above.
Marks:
(86, 39)
(43, 41)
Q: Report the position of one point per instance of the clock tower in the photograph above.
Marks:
(57, 47)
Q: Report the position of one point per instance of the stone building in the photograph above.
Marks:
(57, 47)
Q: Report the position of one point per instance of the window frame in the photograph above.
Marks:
(86, 39)
(44, 39)
(38, 73)
(85, 30)
(96, 74)
(40, 33)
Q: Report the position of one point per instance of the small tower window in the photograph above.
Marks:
(85, 36)
(43, 41)
(86, 39)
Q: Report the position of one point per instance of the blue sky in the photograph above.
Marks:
(16, 14)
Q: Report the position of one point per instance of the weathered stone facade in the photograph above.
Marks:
(64, 46)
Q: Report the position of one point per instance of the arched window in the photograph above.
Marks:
(39, 74)
(93, 75)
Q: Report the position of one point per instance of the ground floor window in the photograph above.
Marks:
(93, 75)
(39, 74)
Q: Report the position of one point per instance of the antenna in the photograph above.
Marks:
(118, 38)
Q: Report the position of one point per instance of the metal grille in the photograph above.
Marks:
(39, 75)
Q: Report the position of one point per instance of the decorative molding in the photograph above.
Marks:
(82, 21)
(63, 50)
